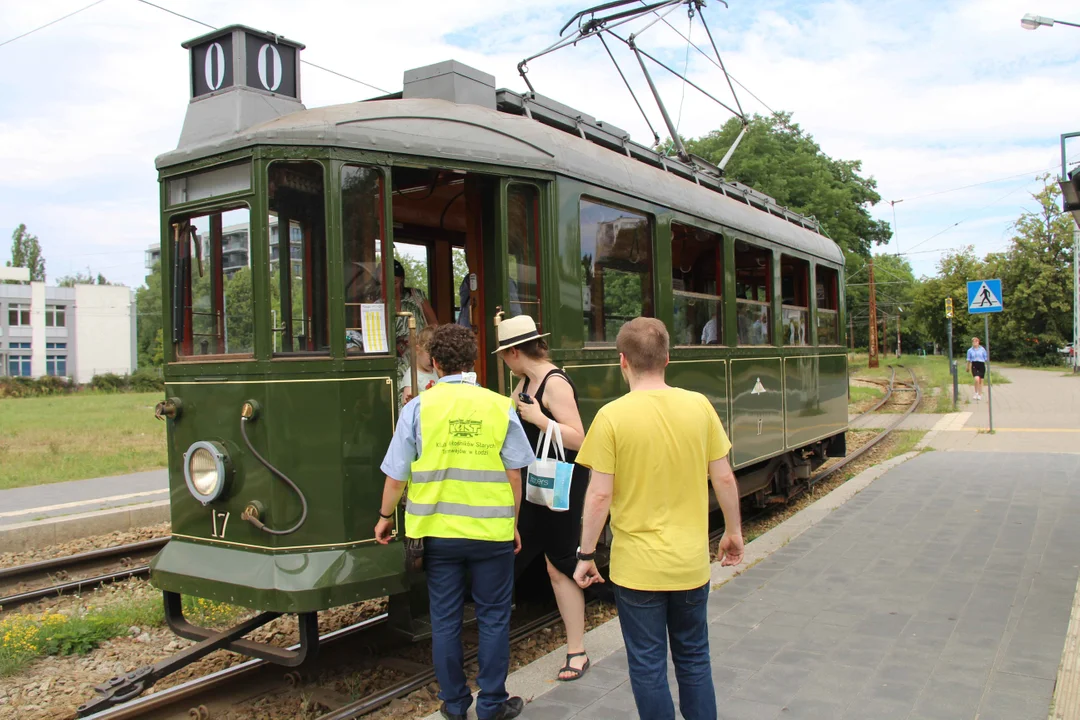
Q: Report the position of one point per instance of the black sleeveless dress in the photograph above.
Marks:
(545, 531)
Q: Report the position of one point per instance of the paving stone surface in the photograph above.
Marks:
(943, 590)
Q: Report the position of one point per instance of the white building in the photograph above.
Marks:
(236, 248)
(75, 332)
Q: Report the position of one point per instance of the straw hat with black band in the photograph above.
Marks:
(517, 330)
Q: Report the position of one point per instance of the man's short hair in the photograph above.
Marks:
(644, 343)
(453, 347)
(974, 338)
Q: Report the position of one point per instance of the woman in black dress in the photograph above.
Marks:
(555, 534)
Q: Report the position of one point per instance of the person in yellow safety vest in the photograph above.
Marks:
(460, 449)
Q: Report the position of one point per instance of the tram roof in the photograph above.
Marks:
(433, 128)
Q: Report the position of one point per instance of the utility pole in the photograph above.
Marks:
(873, 344)
(1076, 297)
(851, 331)
(898, 311)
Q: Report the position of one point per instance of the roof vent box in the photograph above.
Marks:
(239, 77)
(453, 81)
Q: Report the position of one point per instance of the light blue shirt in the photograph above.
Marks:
(404, 448)
(977, 354)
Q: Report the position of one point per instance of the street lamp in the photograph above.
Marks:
(1032, 21)
(1070, 195)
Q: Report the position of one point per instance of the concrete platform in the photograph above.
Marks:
(57, 512)
(942, 590)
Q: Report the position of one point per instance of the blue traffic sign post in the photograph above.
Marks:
(984, 298)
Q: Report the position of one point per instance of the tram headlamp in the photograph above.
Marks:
(206, 466)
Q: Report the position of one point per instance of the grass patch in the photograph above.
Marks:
(72, 437)
(26, 637)
(931, 370)
(905, 441)
(861, 393)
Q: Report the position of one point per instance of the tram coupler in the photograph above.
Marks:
(124, 688)
(309, 635)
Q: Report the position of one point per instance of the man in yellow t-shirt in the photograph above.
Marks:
(650, 452)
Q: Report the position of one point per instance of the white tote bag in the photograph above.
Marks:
(548, 481)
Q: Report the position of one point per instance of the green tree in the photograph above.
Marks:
(26, 253)
(895, 287)
(777, 158)
(954, 270)
(80, 278)
(1037, 279)
(416, 272)
(149, 340)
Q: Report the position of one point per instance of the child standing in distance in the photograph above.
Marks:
(425, 371)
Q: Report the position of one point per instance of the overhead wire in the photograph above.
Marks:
(686, 66)
(50, 23)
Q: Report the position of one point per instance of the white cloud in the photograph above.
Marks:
(929, 95)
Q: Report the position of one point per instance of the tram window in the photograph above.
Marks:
(616, 255)
(212, 291)
(523, 246)
(795, 288)
(363, 236)
(828, 306)
(753, 293)
(298, 267)
(697, 281)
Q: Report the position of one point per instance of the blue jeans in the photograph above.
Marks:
(648, 618)
(491, 565)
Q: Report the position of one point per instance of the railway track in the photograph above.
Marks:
(188, 700)
(127, 556)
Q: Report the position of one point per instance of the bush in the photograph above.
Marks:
(109, 382)
(24, 387)
(146, 380)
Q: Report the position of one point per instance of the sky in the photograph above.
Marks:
(952, 108)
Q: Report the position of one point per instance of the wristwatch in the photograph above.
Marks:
(585, 556)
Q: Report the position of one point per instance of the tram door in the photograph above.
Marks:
(470, 242)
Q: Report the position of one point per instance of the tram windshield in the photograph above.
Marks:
(298, 259)
(616, 257)
(828, 305)
(213, 313)
(795, 288)
(753, 293)
(697, 280)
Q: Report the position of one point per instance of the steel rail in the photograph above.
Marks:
(383, 697)
(880, 436)
(81, 558)
(184, 692)
(75, 586)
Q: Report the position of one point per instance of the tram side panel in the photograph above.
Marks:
(329, 437)
(706, 376)
(815, 393)
(757, 409)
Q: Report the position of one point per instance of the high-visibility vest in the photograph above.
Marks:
(459, 487)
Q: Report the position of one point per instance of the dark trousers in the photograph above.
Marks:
(648, 619)
(491, 566)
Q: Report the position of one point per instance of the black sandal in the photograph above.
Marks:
(568, 668)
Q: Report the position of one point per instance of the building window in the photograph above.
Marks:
(55, 316)
(753, 293)
(18, 315)
(363, 240)
(56, 359)
(299, 299)
(795, 288)
(828, 306)
(697, 281)
(213, 311)
(523, 246)
(616, 256)
(19, 359)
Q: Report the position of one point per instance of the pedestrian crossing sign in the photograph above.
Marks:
(984, 296)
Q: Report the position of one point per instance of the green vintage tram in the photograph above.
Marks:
(283, 330)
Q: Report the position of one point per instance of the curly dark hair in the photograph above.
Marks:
(454, 348)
